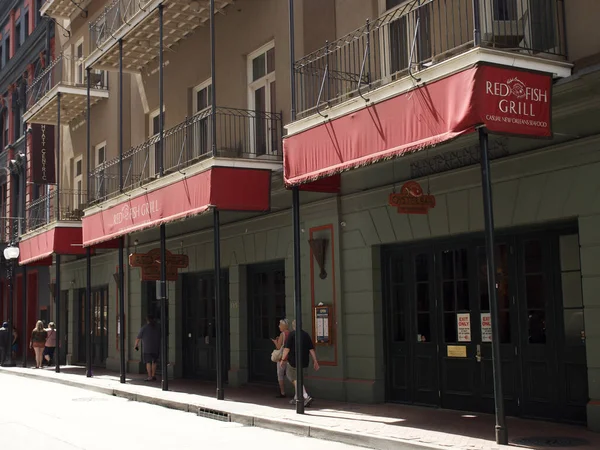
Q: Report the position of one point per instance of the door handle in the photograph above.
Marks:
(478, 354)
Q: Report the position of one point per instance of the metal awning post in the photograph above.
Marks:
(88, 252)
(24, 309)
(218, 304)
(57, 320)
(121, 280)
(488, 212)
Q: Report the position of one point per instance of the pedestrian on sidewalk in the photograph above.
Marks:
(150, 336)
(50, 343)
(4, 342)
(38, 342)
(279, 342)
(289, 353)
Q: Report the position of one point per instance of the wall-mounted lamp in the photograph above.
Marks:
(116, 277)
(318, 247)
(52, 288)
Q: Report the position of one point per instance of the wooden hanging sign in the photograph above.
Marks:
(411, 199)
(149, 263)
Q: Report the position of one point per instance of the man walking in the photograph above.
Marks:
(150, 336)
(289, 353)
(4, 342)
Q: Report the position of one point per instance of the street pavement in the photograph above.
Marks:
(38, 414)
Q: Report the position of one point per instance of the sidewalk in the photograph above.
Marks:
(382, 427)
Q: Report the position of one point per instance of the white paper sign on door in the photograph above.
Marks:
(464, 327)
(486, 327)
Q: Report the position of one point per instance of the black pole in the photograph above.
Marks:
(57, 320)
(88, 313)
(298, 300)
(501, 431)
(292, 58)
(122, 310)
(213, 72)
(9, 362)
(218, 305)
(161, 123)
(88, 252)
(121, 124)
(163, 308)
(476, 23)
(24, 318)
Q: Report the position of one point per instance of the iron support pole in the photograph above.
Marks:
(161, 122)
(218, 303)
(501, 431)
(57, 320)
(88, 253)
(121, 121)
(88, 313)
(298, 300)
(24, 318)
(122, 310)
(476, 23)
(9, 361)
(213, 71)
(163, 308)
(292, 60)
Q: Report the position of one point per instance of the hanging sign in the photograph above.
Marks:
(42, 154)
(411, 199)
(464, 327)
(150, 264)
(486, 327)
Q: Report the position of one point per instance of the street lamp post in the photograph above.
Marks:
(11, 254)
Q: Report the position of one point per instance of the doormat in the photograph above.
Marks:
(550, 441)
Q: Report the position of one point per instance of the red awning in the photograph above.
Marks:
(61, 240)
(226, 188)
(505, 100)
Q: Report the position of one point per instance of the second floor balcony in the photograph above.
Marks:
(54, 207)
(65, 75)
(422, 40)
(61, 9)
(242, 135)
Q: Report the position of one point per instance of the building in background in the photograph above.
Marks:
(24, 41)
(388, 95)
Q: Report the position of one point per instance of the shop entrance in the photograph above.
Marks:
(266, 303)
(99, 325)
(199, 325)
(440, 335)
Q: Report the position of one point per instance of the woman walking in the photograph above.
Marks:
(50, 343)
(38, 342)
(279, 342)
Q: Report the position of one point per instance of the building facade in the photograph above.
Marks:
(171, 121)
(24, 42)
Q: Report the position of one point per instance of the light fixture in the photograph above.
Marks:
(11, 253)
(318, 247)
(195, 5)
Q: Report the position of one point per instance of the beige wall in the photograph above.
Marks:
(583, 33)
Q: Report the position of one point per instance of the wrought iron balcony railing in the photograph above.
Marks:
(43, 210)
(65, 71)
(419, 34)
(240, 134)
(111, 19)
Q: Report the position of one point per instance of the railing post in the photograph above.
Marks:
(121, 116)
(292, 62)
(476, 23)
(161, 115)
(213, 71)
(369, 51)
(328, 71)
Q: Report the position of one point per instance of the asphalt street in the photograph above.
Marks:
(38, 414)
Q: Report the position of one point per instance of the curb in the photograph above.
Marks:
(285, 426)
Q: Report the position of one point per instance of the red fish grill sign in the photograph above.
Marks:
(411, 199)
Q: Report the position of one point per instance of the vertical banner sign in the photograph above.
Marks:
(464, 327)
(486, 327)
(43, 167)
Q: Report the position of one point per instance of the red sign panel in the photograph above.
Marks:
(42, 154)
(412, 200)
(514, 102)
(150, 264)
(504, 100)
(226, 188)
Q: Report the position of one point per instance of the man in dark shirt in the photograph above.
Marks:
(4, 342)
(150, 336)
(289, 354)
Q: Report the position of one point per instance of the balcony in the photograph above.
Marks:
(43, 211)
(62, 9)
(424, 40)
(66, 76)
(241, 135)
(136, 22)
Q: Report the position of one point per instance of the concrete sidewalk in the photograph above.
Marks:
(373, 426)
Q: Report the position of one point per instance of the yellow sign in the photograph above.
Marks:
(457, 351)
